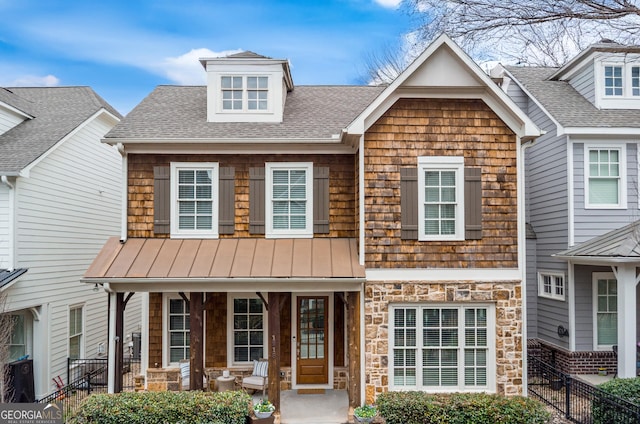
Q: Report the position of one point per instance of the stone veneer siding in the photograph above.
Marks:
(507, 297)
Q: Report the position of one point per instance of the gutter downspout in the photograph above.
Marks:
(11, 227)
(522, 237)
(124, 199)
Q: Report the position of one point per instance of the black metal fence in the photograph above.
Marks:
(88, 376)
(578, 401)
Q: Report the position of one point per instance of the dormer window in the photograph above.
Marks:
(617, 82)
(244, 93)
(613, 80)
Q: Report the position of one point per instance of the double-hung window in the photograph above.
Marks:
(194, 199)
(289, 199)
(244, 93)
(247, 337)
(605, 177)
(440, 198)
(605, 301)
(613, 80)
(75, 332)
(442, 348)
(177, 329)
(551, 285)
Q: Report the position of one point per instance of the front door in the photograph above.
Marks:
(312, 340)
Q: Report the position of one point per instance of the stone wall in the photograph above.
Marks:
(506, 296)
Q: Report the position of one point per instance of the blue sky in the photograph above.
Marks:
(123, 49)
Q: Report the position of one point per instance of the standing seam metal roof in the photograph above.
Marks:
(57, 111)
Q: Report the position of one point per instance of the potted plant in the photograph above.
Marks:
(365, 413)
(263, 409)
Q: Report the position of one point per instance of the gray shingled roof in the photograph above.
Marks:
(7, 276)
(311, 112)
(12, 99)
(57, 111)
(621, 243)
(566, 105)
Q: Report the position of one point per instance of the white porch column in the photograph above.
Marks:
(626, 276)
(111, 381)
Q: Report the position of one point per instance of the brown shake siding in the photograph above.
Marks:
(440, 127)
(342, 183)
(155, 330)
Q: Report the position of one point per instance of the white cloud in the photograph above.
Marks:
(35, 81)
(186, 69)
(389, 4)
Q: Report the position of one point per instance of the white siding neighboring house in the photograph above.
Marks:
(59, 201)
(582, 192)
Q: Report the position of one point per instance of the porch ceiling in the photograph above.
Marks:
(140, 259)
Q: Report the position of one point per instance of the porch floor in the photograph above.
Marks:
(332, 407)
(594, 379)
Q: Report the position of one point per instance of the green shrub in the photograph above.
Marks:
(606, 410)
(164, 407)
(459, 408)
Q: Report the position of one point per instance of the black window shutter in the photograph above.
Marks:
(226, 200)
(321, 200)
(409, 203)
(256, 201)
(161, 199)
(472, 203)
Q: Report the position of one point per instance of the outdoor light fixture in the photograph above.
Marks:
(95, 288)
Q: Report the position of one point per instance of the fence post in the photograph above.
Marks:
(567, 396)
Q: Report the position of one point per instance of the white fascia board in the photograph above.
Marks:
(102, 113)
(445, 274)
(603, 131)
(16, 110)
(239, 285)
(527, 129)
(238, 148)
(598, 260)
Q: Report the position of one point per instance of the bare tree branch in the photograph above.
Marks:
(535, 32)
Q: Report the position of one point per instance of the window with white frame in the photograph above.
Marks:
(551, 285)
(177, 329)
(289, 199)
(621, 80)
(613, 80)
(440, 198)
(247, 339)
(75, 332)
(604, 182)
(605, 301)
(17, 338)
(244, 93)
(442, 348)
(194, 199)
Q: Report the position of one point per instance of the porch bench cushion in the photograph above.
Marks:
(253, 380)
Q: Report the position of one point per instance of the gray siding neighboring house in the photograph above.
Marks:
(586, 122)
(59, 201)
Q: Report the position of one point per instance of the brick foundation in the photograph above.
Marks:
(506, 296)
(583, 362)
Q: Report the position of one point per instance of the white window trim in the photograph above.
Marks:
(491, 351)
(594, 297)
(622, 187)
(27, 319)
(80, 306)
(446, 163)
(230, 340)
(270, 232)
(627, 100)
(245, 98)
(165, 329)
(553, 275)
(215, 183)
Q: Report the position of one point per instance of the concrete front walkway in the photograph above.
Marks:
(332, 407)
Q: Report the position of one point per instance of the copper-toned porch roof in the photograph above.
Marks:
(140, 258)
